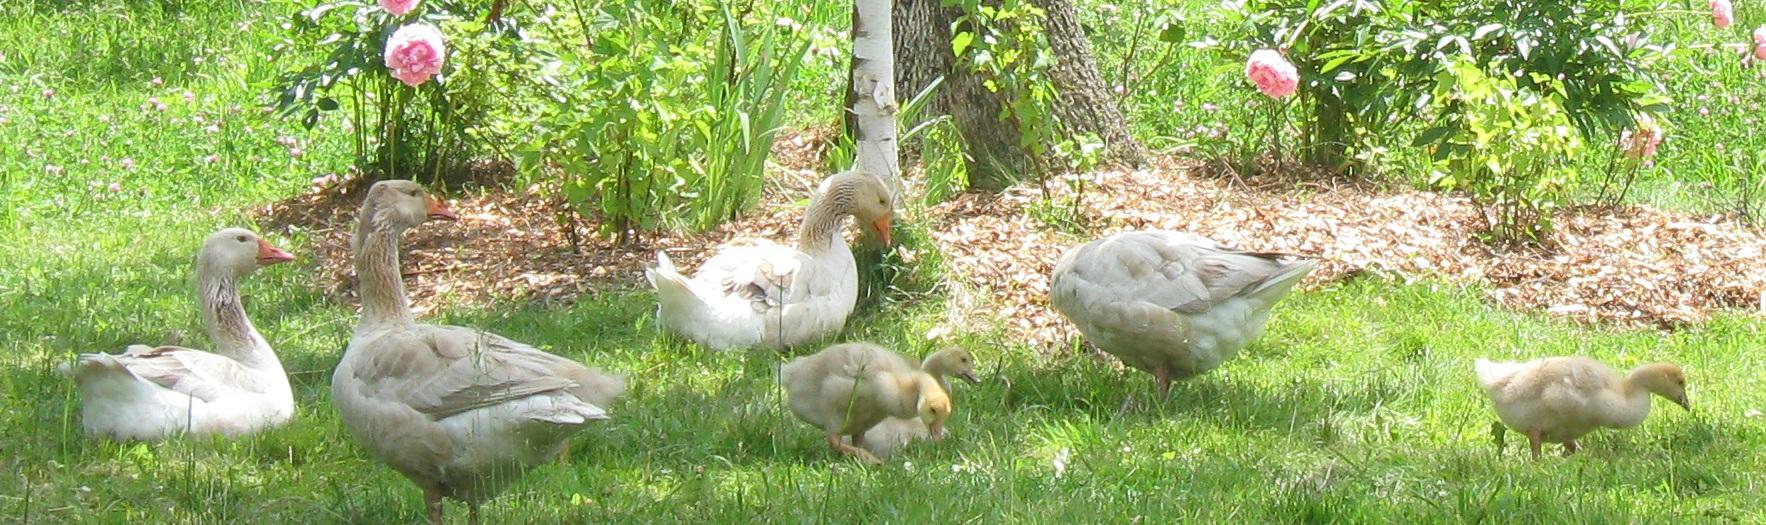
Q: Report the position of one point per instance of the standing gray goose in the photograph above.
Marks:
(461, 412)
(1169, 303)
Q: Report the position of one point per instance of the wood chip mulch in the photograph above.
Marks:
(1632, 266)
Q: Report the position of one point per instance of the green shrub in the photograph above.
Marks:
(1366, 65)
(1511, 146)
(652, 127)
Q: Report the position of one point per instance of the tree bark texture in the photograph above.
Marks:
(923, 54)
(1085, 104)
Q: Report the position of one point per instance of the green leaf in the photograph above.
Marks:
(1485, 29)
(1431, 136)
(1335, 62)
(1173, 33)
(961, 42)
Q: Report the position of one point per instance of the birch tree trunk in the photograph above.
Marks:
(871, 97)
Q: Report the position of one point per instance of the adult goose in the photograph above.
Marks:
(461, 412)
(1169, 303)
(772, 295)
(151, 392)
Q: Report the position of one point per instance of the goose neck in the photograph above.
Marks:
(821, 223)
(379, 282)
(223, 318)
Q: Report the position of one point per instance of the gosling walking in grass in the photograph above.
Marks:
(1560, 399)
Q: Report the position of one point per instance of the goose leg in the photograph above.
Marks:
(1535, 440)
(432, 500)
(1570, 447)
(843, 448)
(564, 455)
(1163, 374)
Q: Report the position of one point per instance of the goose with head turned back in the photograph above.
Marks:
(1559, 399)
(461, 412)
(847, 389)
(1169, 303)
(772, 295)
(154, 392)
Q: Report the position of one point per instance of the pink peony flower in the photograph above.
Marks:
(127, 164)
(398, 7)
(48, 93)
(189, 97)
(1760, 43)
(1642, 143)
(415, 53)
(1272, 74)
(157, 82)
(1722, 13)
(116, 187)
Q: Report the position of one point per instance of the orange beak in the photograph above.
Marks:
(268, 255)
(937, 430)
(881, 225)
(437, 210)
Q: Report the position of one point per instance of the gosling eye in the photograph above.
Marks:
(241, 239)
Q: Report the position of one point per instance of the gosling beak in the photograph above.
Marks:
(937, 430)
(438, 210)
(881, 225)
(970, 377)
(268, 254)
(1683, 402)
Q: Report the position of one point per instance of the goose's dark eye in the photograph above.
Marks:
(240, 238)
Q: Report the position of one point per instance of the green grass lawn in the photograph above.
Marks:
(1358, 405)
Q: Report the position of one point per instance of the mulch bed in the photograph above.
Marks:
(1629, 265)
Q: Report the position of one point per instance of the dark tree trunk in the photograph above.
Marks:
(923, 54)
(1086, 105)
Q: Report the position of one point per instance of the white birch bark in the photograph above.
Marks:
(873, 85)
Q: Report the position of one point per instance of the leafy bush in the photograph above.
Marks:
(1511, 147)
(1368, 64)
(651, 124)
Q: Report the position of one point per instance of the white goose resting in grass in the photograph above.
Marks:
(895, 433)
(847, 389)
(772, 295)
(1560, 399)
(154, 392)
(461, 412)
(1169, 303)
